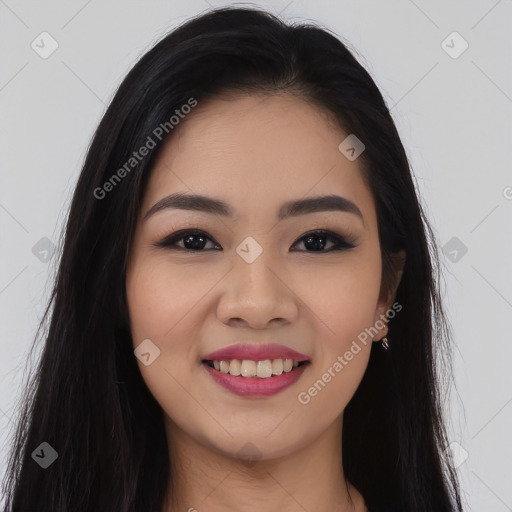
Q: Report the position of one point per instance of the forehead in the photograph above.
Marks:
(256, 152)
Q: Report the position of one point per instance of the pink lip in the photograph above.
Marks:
(254, 387)
(255, 353)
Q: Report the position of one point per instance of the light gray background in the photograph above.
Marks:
(453, 115)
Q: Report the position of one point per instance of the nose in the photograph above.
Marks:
(257, 295)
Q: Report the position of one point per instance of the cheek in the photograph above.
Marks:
(166, 304)
(343, 297)
(160, 303)
(160, 297)
(156, 304)
(343, 302)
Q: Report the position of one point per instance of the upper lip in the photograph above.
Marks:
(256, 352)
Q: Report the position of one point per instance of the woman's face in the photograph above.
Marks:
(252, 277)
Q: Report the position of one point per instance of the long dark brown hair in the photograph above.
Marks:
(87, 398)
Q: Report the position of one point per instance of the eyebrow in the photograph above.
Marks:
(213, 206)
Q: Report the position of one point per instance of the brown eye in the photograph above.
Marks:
(193, 240)
(197, 240)
(317, 240)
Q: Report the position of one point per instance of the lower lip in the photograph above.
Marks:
(248, 386)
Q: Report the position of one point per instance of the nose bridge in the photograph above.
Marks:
(253, 266)
(254, 292)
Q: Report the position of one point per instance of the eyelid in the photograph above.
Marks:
(346, 242)
(175, 236)
(342, 242)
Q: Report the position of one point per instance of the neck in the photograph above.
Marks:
(309, 478)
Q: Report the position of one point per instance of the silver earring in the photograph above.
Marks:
(385, 344)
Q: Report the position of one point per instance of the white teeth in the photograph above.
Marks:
(235, 367)
(261, 369)
(248, 368)
(277, 366)
(264, 368)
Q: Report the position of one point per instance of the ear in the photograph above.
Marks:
(389, 286)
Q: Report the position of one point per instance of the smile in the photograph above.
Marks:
(252, 378)
(249, 368)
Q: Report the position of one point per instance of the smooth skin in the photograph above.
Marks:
(255, 152)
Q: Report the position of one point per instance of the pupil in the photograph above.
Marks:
(190, 245)
(200, 242)
(316, 246)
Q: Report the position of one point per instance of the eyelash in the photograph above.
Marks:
(170, 241)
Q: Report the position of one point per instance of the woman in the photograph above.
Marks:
(246, 311)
